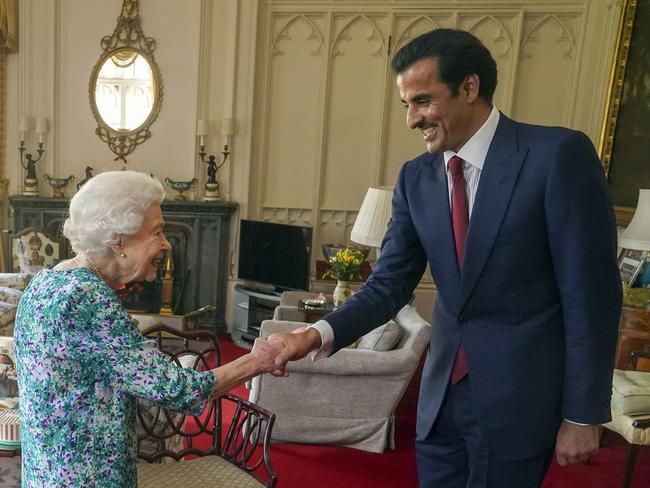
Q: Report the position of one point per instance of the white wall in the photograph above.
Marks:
(49, 77)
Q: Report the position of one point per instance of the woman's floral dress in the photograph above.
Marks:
(81, 364)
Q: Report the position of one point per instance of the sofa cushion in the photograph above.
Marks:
(10, 295)
(15, 280)
(631, 392)
(7, 313)
(383, 338)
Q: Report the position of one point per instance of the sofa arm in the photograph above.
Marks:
(346, 362)
(352, 362)
(269, 327)
(288, 313)
(17, 281)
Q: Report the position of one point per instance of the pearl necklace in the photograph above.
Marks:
(90, 264)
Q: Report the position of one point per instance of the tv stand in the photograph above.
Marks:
(260, 290)
(251, 307)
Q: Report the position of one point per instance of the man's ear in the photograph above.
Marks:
(470, 87)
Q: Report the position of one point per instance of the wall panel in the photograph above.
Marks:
(543, 93)
(354, 111)
(541, 48)
(295, 105)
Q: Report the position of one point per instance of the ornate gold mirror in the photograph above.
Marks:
(125, 88)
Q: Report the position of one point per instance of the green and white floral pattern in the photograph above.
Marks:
(81, 364)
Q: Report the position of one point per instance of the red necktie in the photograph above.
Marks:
(460, 222)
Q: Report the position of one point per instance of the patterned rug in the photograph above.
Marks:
(10, 472)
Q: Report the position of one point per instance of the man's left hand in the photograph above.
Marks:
(576, 443)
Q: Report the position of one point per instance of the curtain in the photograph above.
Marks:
(8, 43)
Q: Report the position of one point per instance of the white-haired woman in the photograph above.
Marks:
(81, 361)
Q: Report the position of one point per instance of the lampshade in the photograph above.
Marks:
(372, 221)
(637, 234)
(41, 126)
(202, 128)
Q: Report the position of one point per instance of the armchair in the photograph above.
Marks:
(348, 399)
(29, 250)
(631, 410)
(235, 453)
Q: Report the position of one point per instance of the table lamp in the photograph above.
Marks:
(374, 214)
(635, 242)
(637, 234)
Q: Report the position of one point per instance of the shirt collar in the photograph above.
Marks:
(475, 150)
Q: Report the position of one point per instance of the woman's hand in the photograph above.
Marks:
(266, 353)
(262, 359)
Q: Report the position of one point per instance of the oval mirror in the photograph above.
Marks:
(125, 96)
(125, 90)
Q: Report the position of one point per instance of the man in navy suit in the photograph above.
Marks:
(517, 226)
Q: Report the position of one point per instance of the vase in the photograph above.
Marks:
(342, 292)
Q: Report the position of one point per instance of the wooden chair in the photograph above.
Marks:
(631, 421)
(235, 454)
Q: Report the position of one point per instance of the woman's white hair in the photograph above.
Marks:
(108, 206)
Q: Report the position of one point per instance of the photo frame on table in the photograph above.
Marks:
(630, 264)
(626, 123)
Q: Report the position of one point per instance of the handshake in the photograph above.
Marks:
(272, 354)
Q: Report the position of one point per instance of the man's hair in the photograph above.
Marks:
(459, 54)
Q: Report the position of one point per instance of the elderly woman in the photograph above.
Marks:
(82, 362)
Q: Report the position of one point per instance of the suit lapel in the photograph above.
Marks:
(439, 238)
(498, 177)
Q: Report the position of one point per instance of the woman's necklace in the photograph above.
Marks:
(93, 267)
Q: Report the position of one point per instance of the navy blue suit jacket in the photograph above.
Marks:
(537, 304)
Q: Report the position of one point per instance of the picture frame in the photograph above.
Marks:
(630, 264)
(626, 123)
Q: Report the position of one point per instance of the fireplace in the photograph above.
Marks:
(158, 296)
(199, 233)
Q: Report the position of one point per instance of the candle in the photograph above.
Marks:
(41, 128)
(226, 130)
(23, 126)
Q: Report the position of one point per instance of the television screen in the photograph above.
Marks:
(275, 254)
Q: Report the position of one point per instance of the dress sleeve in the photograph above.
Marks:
(111, 345)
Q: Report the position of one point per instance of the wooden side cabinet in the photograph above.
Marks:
(633, 335)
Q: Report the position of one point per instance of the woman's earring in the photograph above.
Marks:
(122, 255)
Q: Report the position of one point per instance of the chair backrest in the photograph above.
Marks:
(165, 435)
(29, 250)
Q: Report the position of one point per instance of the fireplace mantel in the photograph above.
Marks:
(207, 225)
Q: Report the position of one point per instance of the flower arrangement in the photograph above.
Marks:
(345, 265)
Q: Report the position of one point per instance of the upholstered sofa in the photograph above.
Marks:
(11, 289)
(348, 399)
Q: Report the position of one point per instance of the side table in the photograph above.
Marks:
(633, 335)
(314, 313)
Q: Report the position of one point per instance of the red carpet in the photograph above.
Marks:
(299, 465)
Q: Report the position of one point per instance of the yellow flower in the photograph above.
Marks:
(345, 264)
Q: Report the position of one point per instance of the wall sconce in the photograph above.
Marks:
(211, 184)
(30, 183)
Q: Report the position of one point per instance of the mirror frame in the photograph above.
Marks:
(127, 35)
